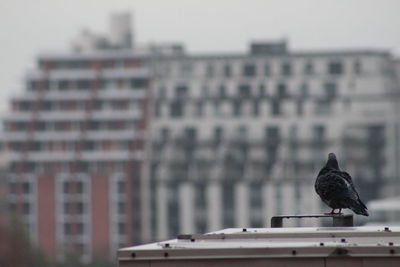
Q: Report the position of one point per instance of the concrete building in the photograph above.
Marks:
(74, 141)
(238, 138)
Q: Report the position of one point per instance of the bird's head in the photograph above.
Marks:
(332, 161)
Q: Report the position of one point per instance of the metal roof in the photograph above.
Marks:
(374, 241)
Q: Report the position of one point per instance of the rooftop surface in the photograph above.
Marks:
(374, 241)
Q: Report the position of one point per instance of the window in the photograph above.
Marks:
(308, 68)
(330, 90)
(335, 68)
(186, 69)
(83, 84)
(256, 107)
(281, 90)
(40, 126)
(80, 188)
(80, 208)
(357, 67)
(304, 90)
(293, 132)
(227, 71)
(244, 90)
(66, 187)
(67, 228)
(32, 85)
(323, 106)
(137, 83)
(121, 187)
(181, 91)
(63, 85)
(67, 208)
(276, 107)
(12, 187)
(218, 133)
(200, 197)
(228, 194)
(12, 206)
(199, 109)
(80, 228)
(206, 91)
(210, 70)
(217, 110)
(242, 132)
(267, 70)
(249, 70)
(121, 228)
(46, 105)
(318, 132)
(121, 208)
(286, 69)
(237, 108)
(222, 91)
(190, 134)
(157, 108)
(164, 134)
(300, 107)
(256, 195)
(162, 92)
(26, 208)
(176, 109)
(272, 133)
(261, 90)
(26, 187)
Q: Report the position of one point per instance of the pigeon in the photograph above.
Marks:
(336, 189)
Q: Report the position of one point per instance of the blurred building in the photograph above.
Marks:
(74, 145)
(110, 146)
(238, 138)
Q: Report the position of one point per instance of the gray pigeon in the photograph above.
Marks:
(337, 190)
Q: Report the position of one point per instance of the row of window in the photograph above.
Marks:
(63, 146)
(272, 133)
(238, 108)
(330, 89)
(86, 84)
(287, 68)
(64, 125)
(65, 166)
(91, 64)
(71, 105)
(20, 187)
(25, 208)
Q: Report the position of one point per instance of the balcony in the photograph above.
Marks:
(51, 156)
(75, 95)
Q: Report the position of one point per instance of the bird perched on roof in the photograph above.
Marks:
(336, 189)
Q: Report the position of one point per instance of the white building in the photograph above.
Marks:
(238, 138)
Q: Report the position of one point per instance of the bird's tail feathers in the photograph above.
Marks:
(359, 208)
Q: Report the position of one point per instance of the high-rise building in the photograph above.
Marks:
(74, 142)
(238, 138)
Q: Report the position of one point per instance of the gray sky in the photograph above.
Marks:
(28, 27)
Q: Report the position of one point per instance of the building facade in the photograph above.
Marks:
(74, 144)
(240, 138)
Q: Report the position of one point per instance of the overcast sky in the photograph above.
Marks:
(28, 27)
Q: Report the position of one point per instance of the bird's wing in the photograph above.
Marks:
(331, 185)
(348, 178)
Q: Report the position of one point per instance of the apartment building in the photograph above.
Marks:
(74, 142)
(238, 138)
